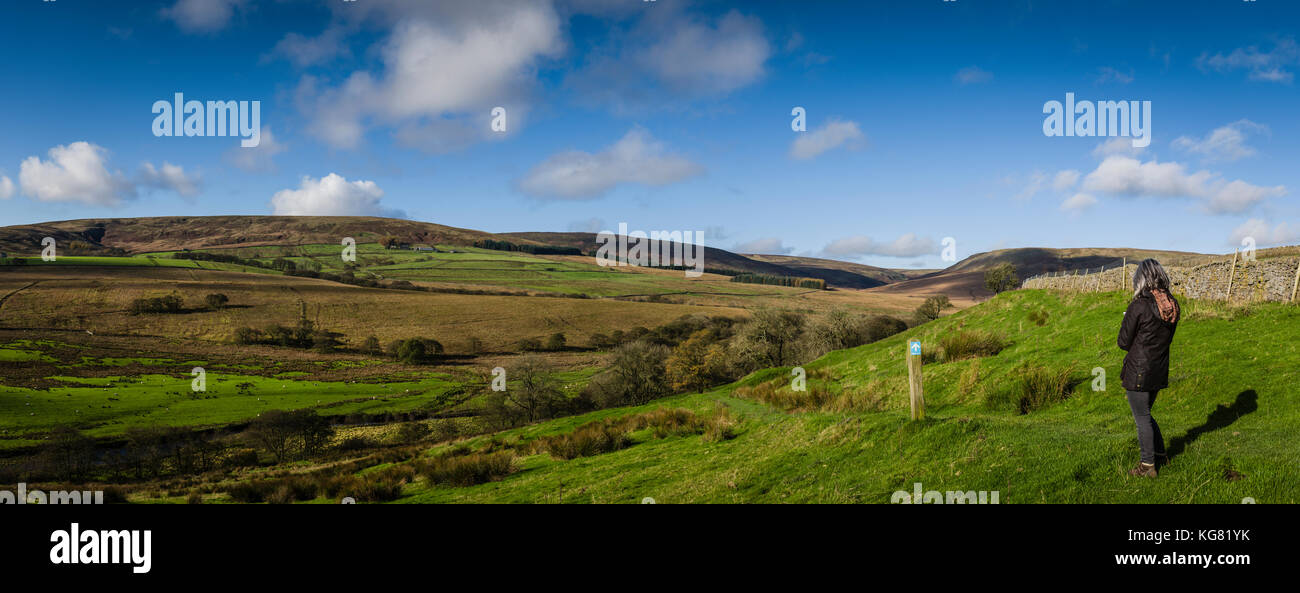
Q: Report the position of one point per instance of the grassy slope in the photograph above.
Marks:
(1231, 406)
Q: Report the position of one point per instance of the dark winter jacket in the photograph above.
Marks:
(1146, 333)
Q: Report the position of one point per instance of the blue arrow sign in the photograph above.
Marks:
(914, 347)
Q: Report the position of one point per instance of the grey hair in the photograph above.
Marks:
(1149, 276)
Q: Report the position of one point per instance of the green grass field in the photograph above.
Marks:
(1228, 417)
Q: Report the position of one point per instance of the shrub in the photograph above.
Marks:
(471, 469)
(250, 492)
(556, 342)
(281, 495)
(1039, 317)
(216, 301)
(412, 432)
(587, 440)
(195, 497)
(247, 335)
(355, 443)
(172, 303)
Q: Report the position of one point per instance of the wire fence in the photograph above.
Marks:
(1239, 280)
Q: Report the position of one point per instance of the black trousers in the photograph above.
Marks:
(1150, 441)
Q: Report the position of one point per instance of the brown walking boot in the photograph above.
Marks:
(1143, 470)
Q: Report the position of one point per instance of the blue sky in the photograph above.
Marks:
(923, 118)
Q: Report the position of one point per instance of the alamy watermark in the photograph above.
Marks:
(213, 118)
(1103, 118)
(668, 249)
(25, 496)
(920, 496)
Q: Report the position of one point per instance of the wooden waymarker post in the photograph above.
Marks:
(1231, 272)
(1295, 284)
(914, 378)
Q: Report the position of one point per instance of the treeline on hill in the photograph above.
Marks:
(691, 353)
(284, 265)
(795, 281)
(173, 303)
(306, 335)
(498, 245)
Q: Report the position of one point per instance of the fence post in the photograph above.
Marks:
(1295, 284)
(1231, 272)
(914, 378)
(1123, 276)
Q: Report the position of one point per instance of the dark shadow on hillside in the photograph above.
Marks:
(1221, 417)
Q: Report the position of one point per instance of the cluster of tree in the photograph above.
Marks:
(171, 303)
(156, 451)
(498, 245)
(691, 353)
(412, 350)
(304, 335)
(931, 308)
(795, 281)
(1001, 278)
(533, 394)
(216, 301)
(289, 435)
(145, 453)
(669, 334)
(555, 343)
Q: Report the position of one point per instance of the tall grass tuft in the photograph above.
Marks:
(1040, 386)
(971, 344)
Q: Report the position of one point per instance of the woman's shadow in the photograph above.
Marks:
(1221, 417)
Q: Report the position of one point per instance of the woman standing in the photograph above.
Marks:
(1146, 333)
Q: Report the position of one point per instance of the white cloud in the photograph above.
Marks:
(577, 175)
(202, 16)
(714, 59)
(1117, 145)
(908, 245)
(669, 57)
(6, 188)
(447, 61)
(1078, 203)
(1107, 74)
(1267, 66)
(771, 245)
(833, 134)
(1124, 176)
(169, 177)
(303, 51)
(1226, 143)
(331, 195)
(1265, 235)
(77, 172)
(972, 75)
(257, 158)
(1065, 180)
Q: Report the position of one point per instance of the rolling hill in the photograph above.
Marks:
(1227, 418)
